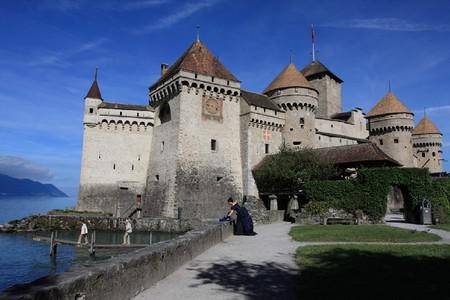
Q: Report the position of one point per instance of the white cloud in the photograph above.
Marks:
(21, 168)
(61, 59)
(171, 19)
(388, 24)
(443, 109)
(143, 4)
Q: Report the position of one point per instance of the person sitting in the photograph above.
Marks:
(244, 222)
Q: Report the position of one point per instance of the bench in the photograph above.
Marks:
(342, 221)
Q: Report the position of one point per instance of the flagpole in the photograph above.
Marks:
(313, 38)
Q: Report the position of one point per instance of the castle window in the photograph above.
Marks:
(162, 146)
(396, 141)
(434, 154)
(381, 142)
(332, 125)
(256, 108)
(275, 113)
(120, 113)
(423, 154)
(340, 141)
(156, 177)
(228, 82)
(212, 78)
(266, 148)
(114, 166)
(213, 145)
(196, 76)
(302, 120)
(319, 137)
(164, 113)
(264, 109)
(219, 178)
(132, 167)
(99, 156)
(139, 157)
(290, 129)
(296, 143)
(91, 110)
(137, 114)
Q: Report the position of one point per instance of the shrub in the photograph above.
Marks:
(368, 192)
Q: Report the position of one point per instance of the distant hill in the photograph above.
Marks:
(10, 186)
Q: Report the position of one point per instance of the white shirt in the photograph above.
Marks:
(128, 228)
(84, 229)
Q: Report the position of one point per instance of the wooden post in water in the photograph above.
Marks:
(53, 244)
(92, 248)
(150, 241)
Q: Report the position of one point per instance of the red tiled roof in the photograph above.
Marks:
(197, 59)
(289, 77)
(425, 126)
(389, 104)
(94, 91)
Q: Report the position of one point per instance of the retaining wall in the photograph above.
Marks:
(124, 276)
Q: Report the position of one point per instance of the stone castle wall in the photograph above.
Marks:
(115, 157)
(427, 151)
(260, 136)
(330, 99)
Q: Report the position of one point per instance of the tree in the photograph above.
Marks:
(289, 169)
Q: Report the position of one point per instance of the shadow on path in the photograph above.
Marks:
(254, 281)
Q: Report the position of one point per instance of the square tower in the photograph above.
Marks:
(196, 156)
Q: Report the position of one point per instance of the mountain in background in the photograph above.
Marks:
(10, 186)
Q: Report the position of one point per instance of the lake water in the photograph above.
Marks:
(24, 260)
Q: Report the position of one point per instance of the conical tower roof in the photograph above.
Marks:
(389, 104)
(94, 91)
(289, 77)
(197, 59)
(426, 126)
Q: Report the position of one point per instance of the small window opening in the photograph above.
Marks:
(219, 178)
(114, 166)
(264, 109)
(291, 129)
(137, 114)
(266, 148)
(296, 143)
(123, 188)
(319, 137)
(213, 145)
(228, 82)
(396, 141)
(162, 146)
(434, 154)
(139, 157)
(99, 156)
(120, 113)
(156, 177)
(132, 167)
(275, 113)
(212, 79)
(196, 76)
(332, 125)
(423, 154)
(381, 142)
(302, 120)
(91, 110)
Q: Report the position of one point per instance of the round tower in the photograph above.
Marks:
(427, 143)
(390, 128)
(293, 93)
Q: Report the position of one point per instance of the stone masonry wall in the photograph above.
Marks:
(124, 276)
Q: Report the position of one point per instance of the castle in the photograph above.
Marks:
(199, 138)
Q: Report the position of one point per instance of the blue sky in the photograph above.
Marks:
(50, 48)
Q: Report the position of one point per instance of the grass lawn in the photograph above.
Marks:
(442, 226)
(374, 272)
(358, 233)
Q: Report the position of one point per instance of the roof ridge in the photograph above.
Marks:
(94, 91)
(426, 126)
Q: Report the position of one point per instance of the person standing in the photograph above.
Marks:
(83, 234)
(128, 231)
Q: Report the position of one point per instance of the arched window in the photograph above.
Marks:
(164, 113)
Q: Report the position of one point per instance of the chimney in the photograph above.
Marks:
(164, 68)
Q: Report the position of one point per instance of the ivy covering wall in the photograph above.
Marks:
(368, 192)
